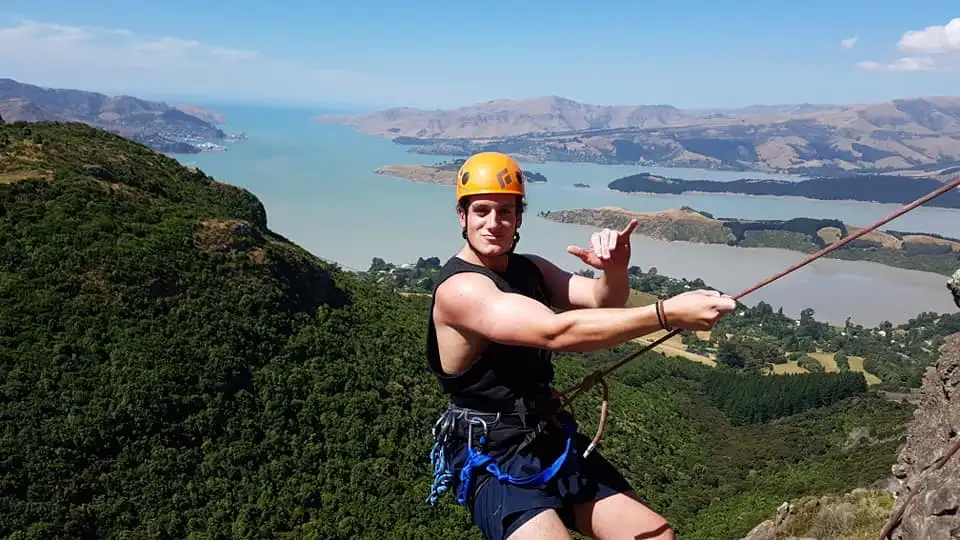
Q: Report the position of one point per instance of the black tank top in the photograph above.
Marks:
(504, 378)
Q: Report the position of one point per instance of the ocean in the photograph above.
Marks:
(318, 186)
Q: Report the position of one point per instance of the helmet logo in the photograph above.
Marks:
(504, 178)
(464, 178)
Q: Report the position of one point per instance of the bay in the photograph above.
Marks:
(318, 186)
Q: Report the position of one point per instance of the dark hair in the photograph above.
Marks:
(521, 204)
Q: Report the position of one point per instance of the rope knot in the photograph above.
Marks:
(590, 380)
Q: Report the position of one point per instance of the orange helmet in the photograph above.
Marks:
(489, 172)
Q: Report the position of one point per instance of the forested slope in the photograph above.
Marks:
(169, 367)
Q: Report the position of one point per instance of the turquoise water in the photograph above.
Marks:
(319, 188)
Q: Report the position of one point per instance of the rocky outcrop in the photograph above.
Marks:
(928, 500)
(954, 286)
(851, 516)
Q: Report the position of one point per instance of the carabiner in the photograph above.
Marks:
(475, 420)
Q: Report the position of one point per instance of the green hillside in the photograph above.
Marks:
(170, 368)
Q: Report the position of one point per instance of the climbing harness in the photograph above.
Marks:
(479, 459)
(445, 426)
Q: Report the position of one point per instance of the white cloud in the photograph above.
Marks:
(933, 39)
(849, 42)
(907, 63)
(919, 46)
(117, 60)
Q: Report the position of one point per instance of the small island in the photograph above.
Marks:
(912, 251)
(877, 188)
(581, 185)
(444, 172)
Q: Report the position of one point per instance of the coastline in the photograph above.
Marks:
(424, 174)
(909, 251)
(776, 197)
(445, 174)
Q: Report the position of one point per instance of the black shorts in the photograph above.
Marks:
(500, 508)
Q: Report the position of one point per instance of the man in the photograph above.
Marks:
(495, 320)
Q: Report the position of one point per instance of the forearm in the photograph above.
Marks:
(612, 289)
(583, 330)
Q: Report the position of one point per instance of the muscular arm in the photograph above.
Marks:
(571, 291)
(471, 303)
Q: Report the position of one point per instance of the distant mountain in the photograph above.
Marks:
(760, 110)
(155, 123)
(505, 117)
(919, 136)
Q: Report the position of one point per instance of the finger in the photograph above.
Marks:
(612, 240)
(595, 242)
(604, 251)
(605, 243)
(628, 230)
(578, 252)
(727, 303)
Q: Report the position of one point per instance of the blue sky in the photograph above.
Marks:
(697, 53)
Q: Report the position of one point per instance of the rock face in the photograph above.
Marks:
(954, 286)
(929, 464)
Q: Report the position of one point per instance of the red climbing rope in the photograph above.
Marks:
(588, 382)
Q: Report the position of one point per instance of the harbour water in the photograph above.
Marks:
(320, 191)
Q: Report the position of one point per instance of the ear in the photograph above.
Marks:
(461, 217)
(519, 220)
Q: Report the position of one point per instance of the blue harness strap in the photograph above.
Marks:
(442, 475)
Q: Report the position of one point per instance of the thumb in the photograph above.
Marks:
(578, 251)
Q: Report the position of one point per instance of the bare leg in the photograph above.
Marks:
(621, 516)
(544, 526)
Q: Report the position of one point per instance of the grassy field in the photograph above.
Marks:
(790, 368)
(826, 360)
(675, 347)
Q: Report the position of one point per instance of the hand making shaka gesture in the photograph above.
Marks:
(609, 248)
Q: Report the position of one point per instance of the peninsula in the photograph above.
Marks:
(912, 251)
(878, 188)
(444, 172)
(914, 136)
(184, 129)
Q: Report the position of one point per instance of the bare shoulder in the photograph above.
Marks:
(462, 293)
(472, 304)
